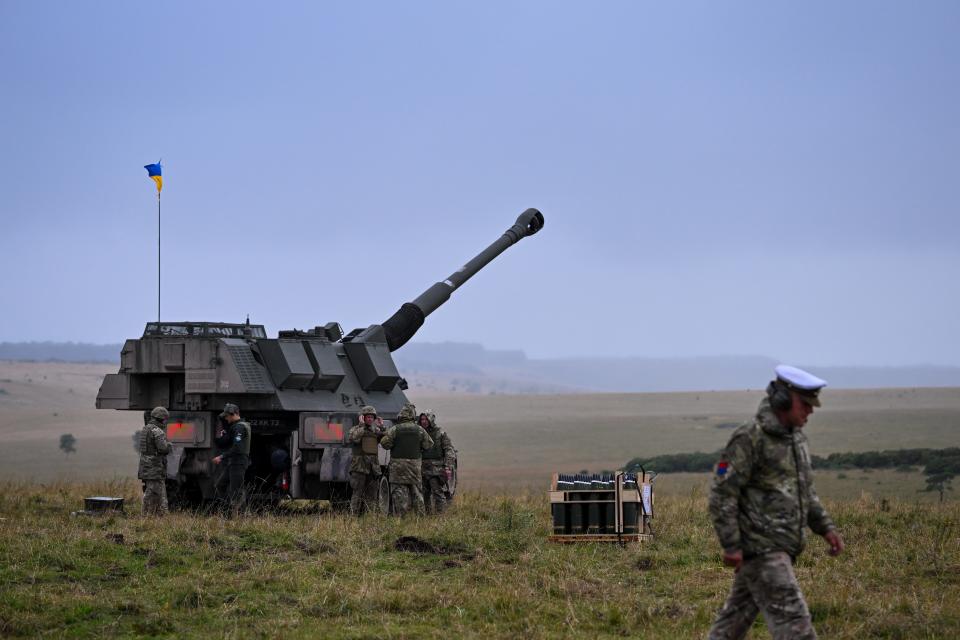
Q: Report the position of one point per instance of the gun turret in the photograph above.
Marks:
(408, 319)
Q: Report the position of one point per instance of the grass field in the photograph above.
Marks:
(494, 574)
(505, 443)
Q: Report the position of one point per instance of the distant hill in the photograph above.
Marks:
(723, 373)
(479, 367)
(470, 368)
(59, 352)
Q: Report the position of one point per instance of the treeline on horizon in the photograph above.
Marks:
(511, 371)
(934, 461)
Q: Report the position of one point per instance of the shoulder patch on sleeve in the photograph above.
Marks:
(722, 468)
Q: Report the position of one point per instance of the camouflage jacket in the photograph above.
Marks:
(447, 454)
(153, 452)
(762, 496)
(406, 471)
(361, 463)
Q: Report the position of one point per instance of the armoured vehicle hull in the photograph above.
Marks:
(301, 392)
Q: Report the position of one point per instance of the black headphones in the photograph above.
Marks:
(779, 394)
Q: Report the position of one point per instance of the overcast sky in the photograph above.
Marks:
(717, 178)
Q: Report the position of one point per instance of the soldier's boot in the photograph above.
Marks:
(221, 490)
(164, 506)
(371, 494)
(400, 499)
(237, 507)
(428, 495)
(356, 504)
(238, 503)
(237, 490)
(417, 494)
(428, 501)
(358, 484)
(154, 498)
(145, 502)
(437, 499)
(440, 502)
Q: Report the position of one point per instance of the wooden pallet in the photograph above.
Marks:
(601, 537)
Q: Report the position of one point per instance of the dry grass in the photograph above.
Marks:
(334, 576)
(851, 484)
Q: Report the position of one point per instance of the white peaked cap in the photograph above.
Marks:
(799, 378)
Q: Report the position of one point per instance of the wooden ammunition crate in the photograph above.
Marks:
(617, 514)
(622, 538)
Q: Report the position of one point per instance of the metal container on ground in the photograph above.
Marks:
(102, 504)
(600, 508)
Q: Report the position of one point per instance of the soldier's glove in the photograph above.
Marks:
(448, 474)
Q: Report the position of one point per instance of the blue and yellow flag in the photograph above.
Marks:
(153, 171)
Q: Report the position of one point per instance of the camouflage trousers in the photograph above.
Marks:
(403, 496)
(766, 584)
(154, 497)
(364, 492)
(435, 493)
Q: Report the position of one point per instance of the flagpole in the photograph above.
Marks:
(158, 259)
(154, 172)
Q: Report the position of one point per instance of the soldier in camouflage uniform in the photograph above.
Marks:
(237, 458)
(365, 463)
(761, 501)
(153, 462)
(405, 441)
(437, 466)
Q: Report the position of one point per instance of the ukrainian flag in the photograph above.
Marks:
(153, 171)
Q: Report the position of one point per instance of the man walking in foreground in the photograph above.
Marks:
(153, 462)
(761, 501)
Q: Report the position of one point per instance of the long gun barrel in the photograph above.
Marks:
(403, 324)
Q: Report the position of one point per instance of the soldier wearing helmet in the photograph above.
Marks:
(236, 458)
(406, 441)
(153, 462)
(437, 466)
(365, 464)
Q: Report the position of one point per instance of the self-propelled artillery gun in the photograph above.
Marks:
(301, 392)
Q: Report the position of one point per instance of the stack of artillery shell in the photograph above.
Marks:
(584, 507)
